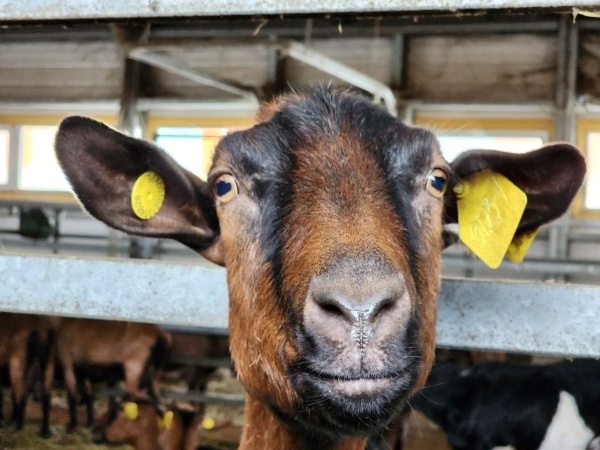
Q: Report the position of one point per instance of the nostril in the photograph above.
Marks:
(383, 307)
(332, 308)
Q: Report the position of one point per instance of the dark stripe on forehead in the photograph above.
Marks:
(263, 156)
(275, 193)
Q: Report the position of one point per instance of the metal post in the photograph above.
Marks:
(564, 121)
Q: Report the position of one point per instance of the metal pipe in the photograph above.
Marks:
(534, 265)
(174, 66)
(335, 68)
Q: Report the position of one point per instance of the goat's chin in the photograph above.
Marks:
(358, 406)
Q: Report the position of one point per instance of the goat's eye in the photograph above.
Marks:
(437, 181)
(225, 188)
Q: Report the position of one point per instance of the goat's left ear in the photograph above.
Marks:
(550, 177)
(134, 186)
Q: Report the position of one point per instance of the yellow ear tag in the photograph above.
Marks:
(130, 409)
(519, 246)
(147, 195)
(166, 421)
(208, 423)
(490, 207)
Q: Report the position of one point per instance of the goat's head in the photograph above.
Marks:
(329, 217)
(132, 421)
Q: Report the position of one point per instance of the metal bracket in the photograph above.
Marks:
(174, 66)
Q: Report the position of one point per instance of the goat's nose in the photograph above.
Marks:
(331, 303)
(355, 299)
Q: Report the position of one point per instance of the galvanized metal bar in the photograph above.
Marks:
(140, 291)
(108, 9)
(542, 318)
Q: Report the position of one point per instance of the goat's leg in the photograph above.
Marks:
(17, 383)
(71, 382)
(88, 399)
(133, 374)
(46, 396)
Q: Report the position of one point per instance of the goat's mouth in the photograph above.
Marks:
(357, 404)
(368, 384)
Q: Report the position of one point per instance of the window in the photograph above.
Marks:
(39, 170)
(592, 188)
(191, 141)
(27, 159)
(587, 205)
(192, 147)
(452, 146)
(458, 134)
(4, 154)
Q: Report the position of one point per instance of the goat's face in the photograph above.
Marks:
(328, 216)
(331, 225)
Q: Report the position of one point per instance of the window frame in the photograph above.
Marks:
(153, 123)
(472, 124)
(541, 126)
(585, 125)
(11, 164)
(14, 123)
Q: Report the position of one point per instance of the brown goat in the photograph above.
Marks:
(26, 346)
(149, 426)
(140, 348)
(328, 215)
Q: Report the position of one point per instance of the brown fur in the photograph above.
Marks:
(268, 431)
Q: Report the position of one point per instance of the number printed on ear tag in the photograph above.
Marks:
(147, 195)
(490, 208)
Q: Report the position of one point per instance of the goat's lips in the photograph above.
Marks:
(358, 386)
(351, 386)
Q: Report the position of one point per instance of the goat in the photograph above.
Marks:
(26, 346)
(147, 425)
(329, 216)
(140, 348)
(501, 405)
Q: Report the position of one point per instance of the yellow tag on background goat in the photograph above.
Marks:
(130, 409)
(519, 246)
(166, 421)
(490, 207)
(147, 195)
(208, 423)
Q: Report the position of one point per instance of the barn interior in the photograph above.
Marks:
(510, 77)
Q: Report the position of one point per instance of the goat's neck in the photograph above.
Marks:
(264, 430)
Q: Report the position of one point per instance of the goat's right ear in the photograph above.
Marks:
(103, 165)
